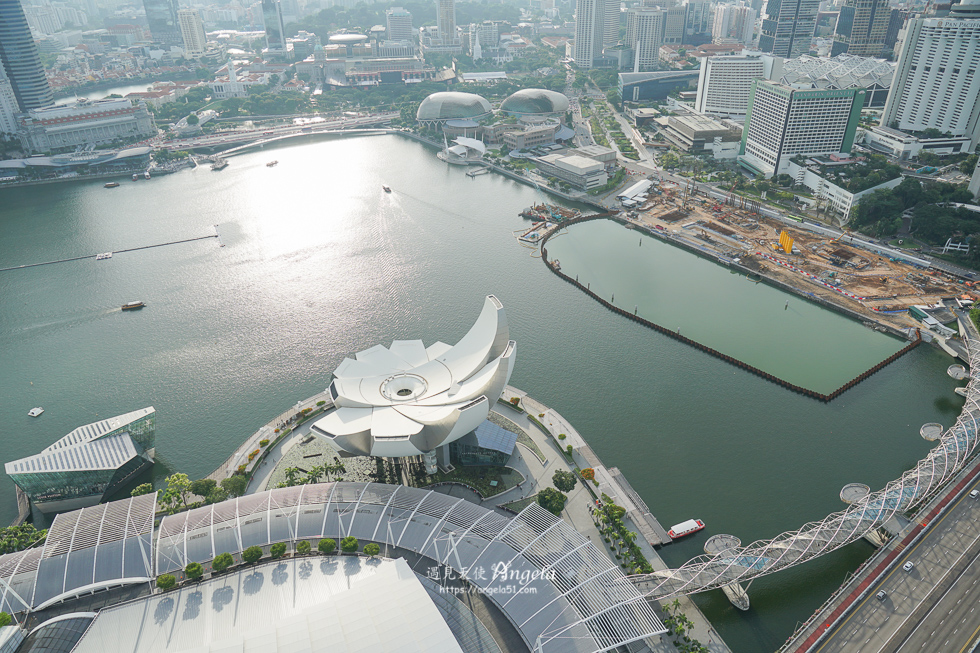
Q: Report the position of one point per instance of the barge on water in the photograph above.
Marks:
(549, 213)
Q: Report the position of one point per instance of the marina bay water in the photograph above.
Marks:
(319, 263)
(731, 313)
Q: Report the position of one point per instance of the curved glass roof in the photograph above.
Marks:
(535, 101)
(449, 105)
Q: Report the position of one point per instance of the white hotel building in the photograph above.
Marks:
(784, 122)
(724, 82)
(937, 83)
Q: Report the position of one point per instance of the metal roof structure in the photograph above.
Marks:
(841, 72)
(579, 603)
(101, 445)
(449, 105)
(410, 399)
(337, 605)
(739, 564)
(535, 101)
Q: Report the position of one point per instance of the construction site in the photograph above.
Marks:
(878, 287)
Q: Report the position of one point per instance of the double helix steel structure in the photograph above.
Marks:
(744, 563)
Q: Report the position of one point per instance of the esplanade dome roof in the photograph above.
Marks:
(449, 105)
(535, 100)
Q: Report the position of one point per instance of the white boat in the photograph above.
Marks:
(685, 528)
(103, 256)
(34, 412)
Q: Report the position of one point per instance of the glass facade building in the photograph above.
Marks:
(161, 16)
(20, 59)
(89, 464)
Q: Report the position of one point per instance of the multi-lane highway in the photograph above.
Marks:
(933, 607)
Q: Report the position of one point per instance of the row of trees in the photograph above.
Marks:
(18, 538)
(295, 476)
(179, 488)
(253, 554)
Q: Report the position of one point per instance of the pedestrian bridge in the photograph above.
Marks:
(865, 514)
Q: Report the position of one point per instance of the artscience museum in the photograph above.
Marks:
(409, 399)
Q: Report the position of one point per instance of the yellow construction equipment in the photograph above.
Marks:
(786, 242)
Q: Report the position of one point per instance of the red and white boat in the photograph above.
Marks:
(685, 528)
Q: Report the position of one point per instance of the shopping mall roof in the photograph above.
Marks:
(449, 105)
(301, 604)
(535, 101)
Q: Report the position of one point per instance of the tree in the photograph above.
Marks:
(235, 485)
(252, 554)
(223, 560)
(327, 546)
(968, 164)
(303, 547)
(348, 544)
(166, 582)
(552, 500)
(18, 538)
(192, 119)
(217, 495)
(277, 550)
(372, 549)
(194, 570)
(564, 481)
(140, 490)
(178, 485)
(5, 619)
(203, 487)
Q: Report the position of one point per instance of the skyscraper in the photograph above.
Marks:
(861, 28)
(192, 30)
(644, 36)
(783, 122)
(161, 16)
(589, 31)
(697, 22)
(733, 23)
(937, 85)
(446, 20)
(20, 59)
(788, 27)
(8, 105)
(610, 22)
(275, 31)
(399, 24)
(674, 24)
(725, 82)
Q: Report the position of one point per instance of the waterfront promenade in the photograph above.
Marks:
(542, 425)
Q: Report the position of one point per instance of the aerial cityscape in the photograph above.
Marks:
(516, 326)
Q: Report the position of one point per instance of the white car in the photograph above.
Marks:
(908, 566)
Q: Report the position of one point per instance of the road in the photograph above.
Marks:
(933, 607)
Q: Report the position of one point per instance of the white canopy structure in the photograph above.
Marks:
(410, 399)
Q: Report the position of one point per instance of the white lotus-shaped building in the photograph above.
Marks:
(410, 399)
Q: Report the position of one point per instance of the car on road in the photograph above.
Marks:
(974, 494)
(908, 566)
(881, 595)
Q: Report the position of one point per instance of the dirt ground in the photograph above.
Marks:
(851, 277)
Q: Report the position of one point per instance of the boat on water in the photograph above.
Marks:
(103, 256)
(34, 412)
(112, 184)
(271, 164)
(387, 189)
(685, 528)
(135, 176)
(146, 174)
(219, 164)
(132, 306)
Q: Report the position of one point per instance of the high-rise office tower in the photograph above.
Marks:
(589, 31)
(610, 22)
(644, 36)
(674, 23)
(161, 16)
(788, 27)
(783, 122)
(896, 21)
(20, 58)
(446, 20)
(861, 28)
(697, 22)
(936, 84)
(399, 24)
(275, 30)
(8, 105)
(733, 23)
(192, 31)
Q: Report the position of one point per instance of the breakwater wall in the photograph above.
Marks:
(813, 394)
